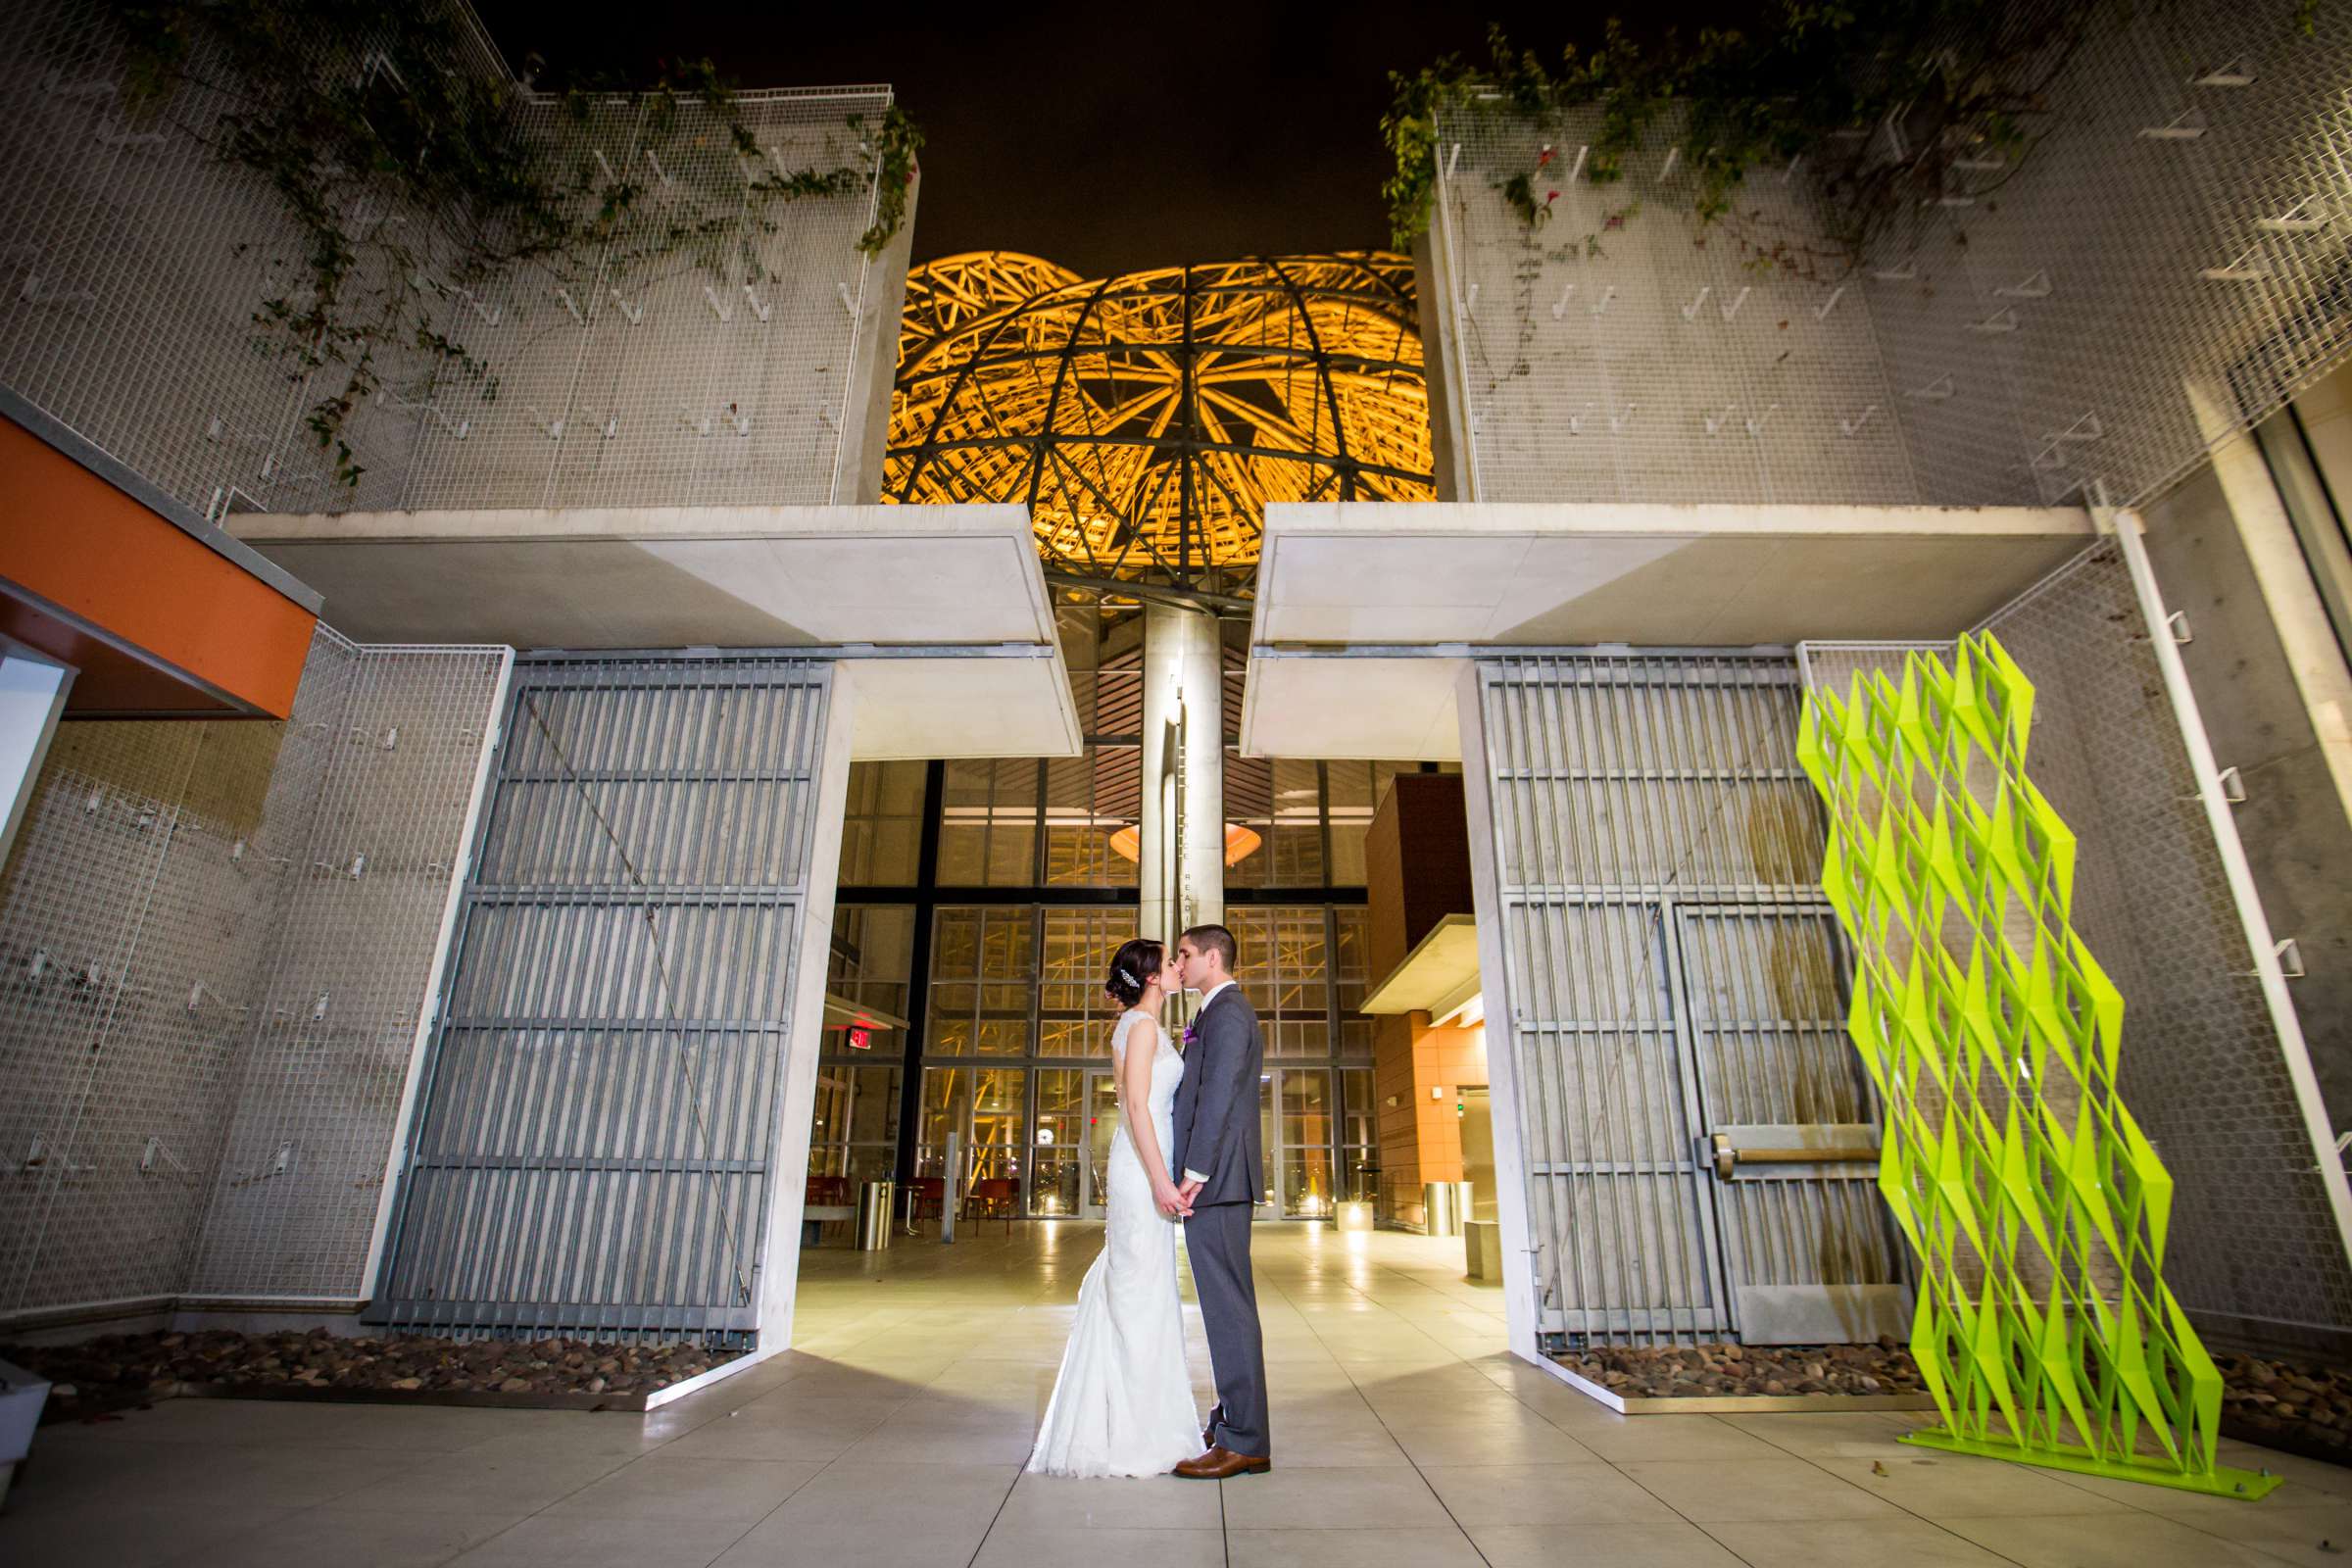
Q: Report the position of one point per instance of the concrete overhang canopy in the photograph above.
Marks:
(1011, 701)
(1437, 977)
(671, 576)
(1366, 612)
(940, 612)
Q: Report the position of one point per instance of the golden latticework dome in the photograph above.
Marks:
(1148, 419)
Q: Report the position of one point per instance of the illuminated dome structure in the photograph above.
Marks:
(1147, 420)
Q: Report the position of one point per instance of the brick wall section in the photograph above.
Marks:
(1397, 1095)
(1416, 866)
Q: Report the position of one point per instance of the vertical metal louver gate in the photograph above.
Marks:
(1675, 990)
(597, 1122)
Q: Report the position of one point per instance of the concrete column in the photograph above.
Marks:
(1521, 1283)
(1182, 849)
(33, 693)
(788, 1175)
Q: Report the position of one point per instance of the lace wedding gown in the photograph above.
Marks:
(1123, 1403)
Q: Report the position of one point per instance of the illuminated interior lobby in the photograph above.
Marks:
(1145, 421)
(558, 840)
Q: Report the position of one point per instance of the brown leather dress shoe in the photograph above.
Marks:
(1220, 1463)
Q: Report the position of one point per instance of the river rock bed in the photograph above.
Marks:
(2303, 1408)
(122, 1370)
(1730, 1371)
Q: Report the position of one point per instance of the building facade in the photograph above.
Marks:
(1689, 471)
(690, 752)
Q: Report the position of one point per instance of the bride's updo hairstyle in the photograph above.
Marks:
(1135, 966)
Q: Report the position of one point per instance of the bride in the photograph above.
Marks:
(1123, 1403)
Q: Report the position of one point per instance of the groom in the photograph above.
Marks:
(1217, 1149)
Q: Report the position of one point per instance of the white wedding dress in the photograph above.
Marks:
(1123, 1403)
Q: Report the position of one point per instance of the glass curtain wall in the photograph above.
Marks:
(854, 1136)
(980, 899)
(1021, 985)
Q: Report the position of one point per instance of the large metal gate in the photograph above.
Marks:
(1697, 1135)
(595, 1132)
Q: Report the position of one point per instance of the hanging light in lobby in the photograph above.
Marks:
(1239, 843)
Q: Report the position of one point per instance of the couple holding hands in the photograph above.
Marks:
(1186, 1153)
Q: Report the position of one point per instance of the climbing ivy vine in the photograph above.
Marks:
(412, 178)
(1880, 104)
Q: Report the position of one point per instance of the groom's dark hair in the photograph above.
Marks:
(1214, 939)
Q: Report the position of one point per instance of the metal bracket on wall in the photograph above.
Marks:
(2294, 1049)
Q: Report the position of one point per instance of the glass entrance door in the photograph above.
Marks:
(1295, 1125)
(1303, 1096)
(982, 1107)
(1057, 1161)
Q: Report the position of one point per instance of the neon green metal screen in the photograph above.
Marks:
(2043, 1328)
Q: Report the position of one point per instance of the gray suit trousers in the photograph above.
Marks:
(1217, 1241)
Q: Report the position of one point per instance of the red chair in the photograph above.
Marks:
(926, 1198)
(993, 1198)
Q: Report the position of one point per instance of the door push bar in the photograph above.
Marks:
(1728, 1156)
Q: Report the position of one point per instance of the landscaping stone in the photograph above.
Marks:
(1730, 1371)
(2303, 1408)
(124, 1370)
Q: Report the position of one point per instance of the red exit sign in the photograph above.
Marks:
(860, 1038)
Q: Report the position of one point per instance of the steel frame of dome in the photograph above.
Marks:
(1148, 418)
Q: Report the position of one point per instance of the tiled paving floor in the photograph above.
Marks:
(895, 1433)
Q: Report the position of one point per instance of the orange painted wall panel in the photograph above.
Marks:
(79, 542)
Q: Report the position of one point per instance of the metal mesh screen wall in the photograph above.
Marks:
(1671, 971)
(2183, 221)
(2252, 1232)
(179, 897)
(2253, 1241)
(134, 263)
(323, 1071)
(600, 1107)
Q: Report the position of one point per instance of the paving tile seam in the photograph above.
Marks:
(1940, 1525)
(326, 1503)
(656, 1448)
(981, 1545)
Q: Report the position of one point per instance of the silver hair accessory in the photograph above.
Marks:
(1119, 972)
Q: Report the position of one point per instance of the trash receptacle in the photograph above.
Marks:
(1441, 1208)
(875, 1204)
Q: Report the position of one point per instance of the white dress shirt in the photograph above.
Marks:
(1207, 998)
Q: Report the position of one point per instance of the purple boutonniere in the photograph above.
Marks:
(1190, 1034)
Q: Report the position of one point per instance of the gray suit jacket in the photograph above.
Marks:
(1217, 1112)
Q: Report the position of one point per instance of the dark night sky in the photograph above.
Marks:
(1108, 137)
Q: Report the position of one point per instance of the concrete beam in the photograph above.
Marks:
(1361, 607)
(671, 576)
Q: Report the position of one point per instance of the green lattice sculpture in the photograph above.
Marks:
(2044, 1329)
